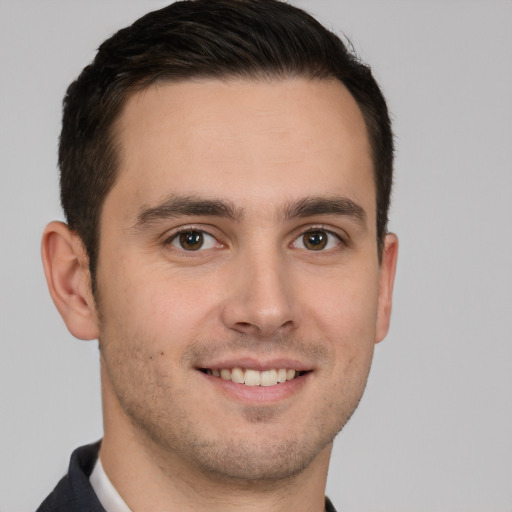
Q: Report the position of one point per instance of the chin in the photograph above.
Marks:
(250, 462)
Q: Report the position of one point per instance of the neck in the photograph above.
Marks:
(149, 478)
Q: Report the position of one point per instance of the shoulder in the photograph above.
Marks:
(74, 492)
(329, 507)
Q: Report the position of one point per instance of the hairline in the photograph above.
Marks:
(258, 76)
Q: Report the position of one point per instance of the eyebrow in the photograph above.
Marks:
(182, 206)
(339, 206)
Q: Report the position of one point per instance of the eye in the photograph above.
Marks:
(317, 240)
(193, 240)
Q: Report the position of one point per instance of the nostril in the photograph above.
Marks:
(263, 329)
(246, 328)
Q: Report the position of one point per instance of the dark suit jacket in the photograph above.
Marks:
(74, 492)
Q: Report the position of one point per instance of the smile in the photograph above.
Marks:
(250, 377)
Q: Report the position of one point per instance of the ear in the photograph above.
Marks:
(66, 267)
(386, 282)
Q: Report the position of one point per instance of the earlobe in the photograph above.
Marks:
(67, 274)
(386, 282)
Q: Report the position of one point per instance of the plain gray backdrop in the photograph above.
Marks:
(434, 429)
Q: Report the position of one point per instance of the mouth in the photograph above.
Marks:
(251, 377)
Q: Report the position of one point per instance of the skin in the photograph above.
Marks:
(255, 294)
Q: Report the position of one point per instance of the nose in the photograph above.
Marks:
(260, 299)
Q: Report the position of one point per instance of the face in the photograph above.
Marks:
(240, 292)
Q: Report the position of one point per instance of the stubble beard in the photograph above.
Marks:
(229, 459)
(166, 429)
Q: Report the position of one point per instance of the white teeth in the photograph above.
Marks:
(254, 377)
(237, 375)
(290, 374)
(269, 378)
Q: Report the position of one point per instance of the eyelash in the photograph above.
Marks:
(341, 241)
(187, 230)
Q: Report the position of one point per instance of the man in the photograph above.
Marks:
(226, 169)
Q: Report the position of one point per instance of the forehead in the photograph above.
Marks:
(245, 140)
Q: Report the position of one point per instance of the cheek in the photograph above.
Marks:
(344, 310)
(345, 304)
(152, 307)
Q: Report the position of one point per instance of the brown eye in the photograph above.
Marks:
(319, 240)
(191, 240)
(315, 240)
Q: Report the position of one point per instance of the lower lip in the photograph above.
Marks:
(259, 394)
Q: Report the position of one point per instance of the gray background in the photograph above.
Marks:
(434, 430)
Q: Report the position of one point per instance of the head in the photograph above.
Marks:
(187, 40)
(227, 167)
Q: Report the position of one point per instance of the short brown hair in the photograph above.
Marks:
(202, 38)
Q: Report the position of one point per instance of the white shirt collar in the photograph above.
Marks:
(105, 490)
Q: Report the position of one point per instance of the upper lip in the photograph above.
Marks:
(259, 363)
